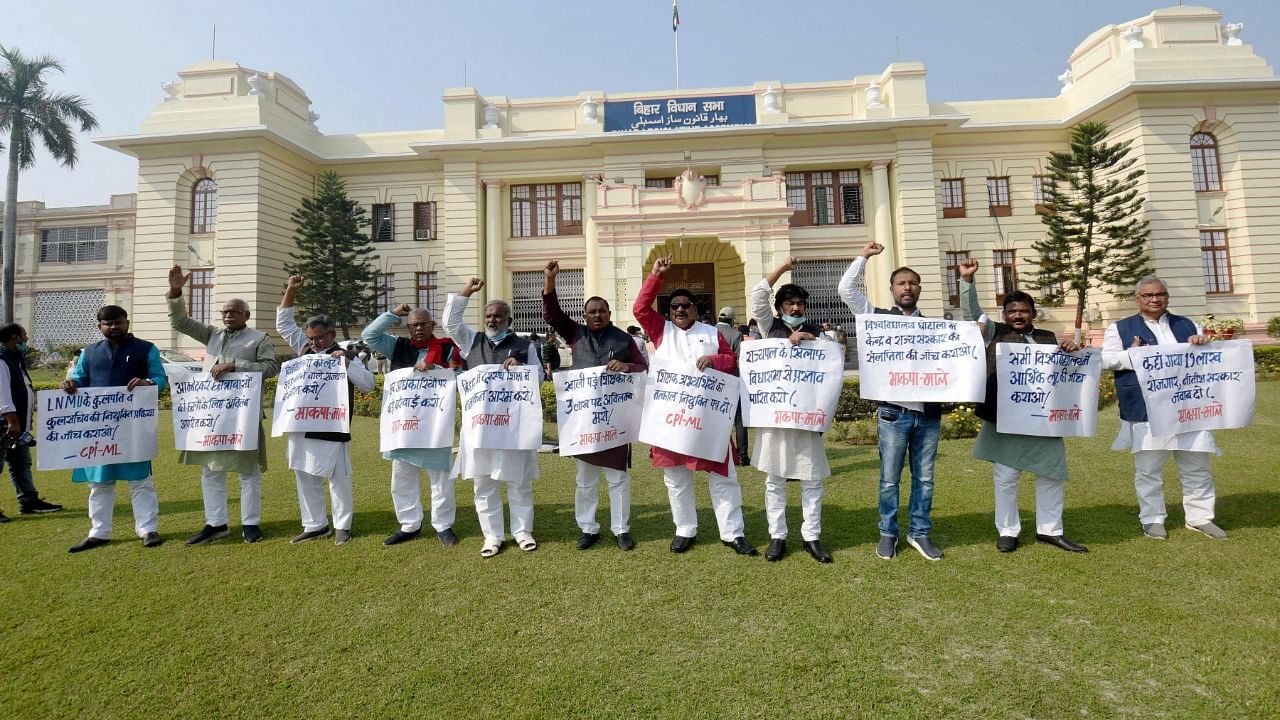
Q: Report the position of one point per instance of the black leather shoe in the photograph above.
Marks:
(741, 546)
(1062, 542)
(4, 518)
(309, 535)
(251, 533)
(777, 548)
(152, 539)
(208, 534)
(625, 542)
(1006, 544)
(681, 543)
(400, 536)
(816, 551)
(447, 537)
(88, 543)
(586, 540)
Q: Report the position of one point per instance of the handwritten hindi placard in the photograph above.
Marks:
(311, 396)
(210, 414)
(597, 409)
(915, 359)
(1196, 387)
(418, 409)
(689, 411)
(95, 426)
(1043, 391)
(790, 386)
(501, 409)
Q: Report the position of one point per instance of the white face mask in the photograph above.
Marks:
(793, 320)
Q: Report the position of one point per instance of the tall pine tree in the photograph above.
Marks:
(334, 255)
(1097, 233)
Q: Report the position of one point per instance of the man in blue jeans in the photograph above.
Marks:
(905, 428)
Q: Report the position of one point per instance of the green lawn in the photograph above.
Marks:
(1135, 629)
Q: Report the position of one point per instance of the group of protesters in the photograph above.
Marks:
(908, 430)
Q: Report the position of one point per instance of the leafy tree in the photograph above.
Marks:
(29, 111)
(1097, 233)
(336, 258)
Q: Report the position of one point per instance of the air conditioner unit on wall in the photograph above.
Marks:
(422, 234)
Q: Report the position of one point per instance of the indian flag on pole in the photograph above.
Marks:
(675, 17)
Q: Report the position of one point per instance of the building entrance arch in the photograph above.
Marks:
(709, 268)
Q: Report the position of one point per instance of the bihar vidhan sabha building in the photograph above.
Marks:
(728, 180)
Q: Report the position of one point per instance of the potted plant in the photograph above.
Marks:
(1223, 329)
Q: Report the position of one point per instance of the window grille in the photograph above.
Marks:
(74, 244)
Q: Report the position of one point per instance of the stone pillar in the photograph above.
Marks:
(494, 278)
(592, 271)
(877, 275)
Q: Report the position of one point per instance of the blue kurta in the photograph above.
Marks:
(118, 471)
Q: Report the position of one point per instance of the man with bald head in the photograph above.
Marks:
(235, 347)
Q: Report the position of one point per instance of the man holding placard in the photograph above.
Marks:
(904, 426)
(1192, 451)
(490, 467)
(423, 351)
(681, 341)
(235, 347)
(597, 342)
(118, 359)
(314, 456)
(784, 454)
(1011, 454)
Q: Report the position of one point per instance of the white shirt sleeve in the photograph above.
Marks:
(760, 309)
(6, 397)
(848, 288)
(454, 308)
(287, 326)
(1115, 356)
(360, 376)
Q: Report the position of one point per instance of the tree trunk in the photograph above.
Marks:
(10, 226)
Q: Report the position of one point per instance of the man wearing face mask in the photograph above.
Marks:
(489, 467)
(235, 347)
(593, 343)
(680, 339)
(1011, 454)
(904, 427)
(314, 456)
(17, 403)
(784, 454)
(423, 351)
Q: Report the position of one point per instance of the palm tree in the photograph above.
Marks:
(28, 110)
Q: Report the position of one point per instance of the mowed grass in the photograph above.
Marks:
(1135, 629)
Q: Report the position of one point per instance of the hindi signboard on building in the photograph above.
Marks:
(689, 411)
(915, 359)
(597, 409)
(675, 113)
(1196, 387)
(790, 386)
(210, 414)
(501, 409)
(1041, 390)
(418, 409)
(312, 396)
(95, 426)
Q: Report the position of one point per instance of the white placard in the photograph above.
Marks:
(790, 386)
(418, 409)
(220, 414)
(915, 359)
(1041, 390)
(312, 396)
(597, 409)
(689, 411)
(1196, 387)
(96, 426)
(501, 409)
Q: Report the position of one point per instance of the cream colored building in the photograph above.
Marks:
(806, 169)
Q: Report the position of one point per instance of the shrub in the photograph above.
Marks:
(1273, 327)
(1266, 359)
(961, 422)
(851, 406)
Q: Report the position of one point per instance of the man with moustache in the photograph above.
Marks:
(490, 467)
(423, 351)
(595, 342)
(17, 403)
(234, 347)
(681, 340)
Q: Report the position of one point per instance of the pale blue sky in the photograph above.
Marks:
(380, 65)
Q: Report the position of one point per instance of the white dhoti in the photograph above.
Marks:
(312, 461)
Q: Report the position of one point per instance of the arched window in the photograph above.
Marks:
(204, 206)
(1204, 163)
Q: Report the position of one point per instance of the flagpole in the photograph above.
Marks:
(677, 59)
(675, 29)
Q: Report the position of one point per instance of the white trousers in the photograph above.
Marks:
(1194, 470)
(586, 500)
(726, 500)
(775, 507)
(1049, 494)
(488, 495)
(406, 497)
(213, 484)
(102, 501)
(311, 500)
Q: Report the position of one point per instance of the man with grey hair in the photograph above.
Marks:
(490, 467)
(235, 347)
(1192, 451)
(314, 456)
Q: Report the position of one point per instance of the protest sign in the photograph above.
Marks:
(210, 414)
(418, 409)
(1196, 387)
(790, 386)
(312, 396)
(1043, 391)
(912, 359)
(689, 411)
(95, 426)
(597, 409)
(501, 409)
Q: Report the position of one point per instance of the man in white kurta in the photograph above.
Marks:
(316, 456)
